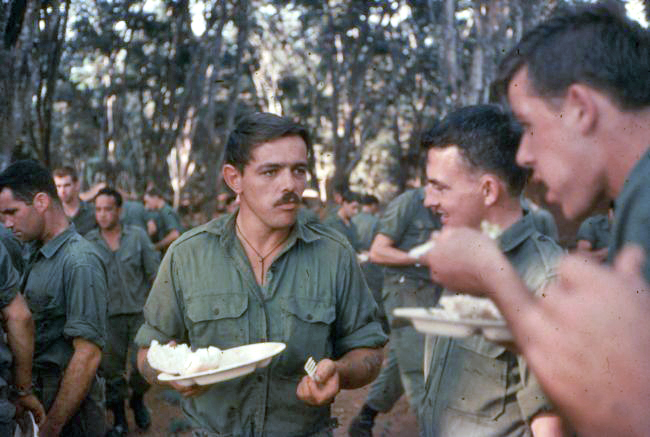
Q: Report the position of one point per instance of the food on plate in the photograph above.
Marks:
(179, 359)
(469, 307)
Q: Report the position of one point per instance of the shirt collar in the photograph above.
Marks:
(51, 247)
(517, 233)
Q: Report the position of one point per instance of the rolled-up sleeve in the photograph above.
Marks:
(9, 277)
(86, 301)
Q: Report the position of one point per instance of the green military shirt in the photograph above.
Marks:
(14, 247)
(349, 231)
(408, 223)
(131, 268)
(134, 213)
(596, 230)
(166, 221)
(476, 387)
(632, 213)
(315, 300)
(366, 225)
(84, 220)
(542, 219)
(65, 288)
(9, 285)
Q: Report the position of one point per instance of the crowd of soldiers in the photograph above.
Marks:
(87, 286)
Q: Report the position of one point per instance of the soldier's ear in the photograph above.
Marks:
(232, 177)
(490, 189)
(41, 201)
(580, 108)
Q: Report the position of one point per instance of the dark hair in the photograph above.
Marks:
(26, 179)
(369, 199)
(154, 192)
(487, 138)
(108, 191)
(255, 129)
(349, 196)
(591, 44)
(66, 171)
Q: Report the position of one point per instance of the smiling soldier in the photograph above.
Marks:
(260, 274)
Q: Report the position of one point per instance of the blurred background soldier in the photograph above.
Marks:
(131, 262)
(78, 212)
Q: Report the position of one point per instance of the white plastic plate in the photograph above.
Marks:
(437, 321)
(235, 362)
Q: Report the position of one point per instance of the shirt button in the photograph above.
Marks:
(216, 311)
(309, 317)
(260, 378)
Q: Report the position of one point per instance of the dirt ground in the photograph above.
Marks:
(167, 419)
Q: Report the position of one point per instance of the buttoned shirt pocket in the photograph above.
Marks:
(307, 331)
(218, 319)
(480, 379)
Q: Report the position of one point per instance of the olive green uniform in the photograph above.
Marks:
(9, 285)
(315, 300)
(366, 225)
(596, 230)
(542, 219)
(476, 387)
(348, 230)
(65, 288)
(632, 213)
(14, 247)
(408, 223)
(131, 270)
(134, 213)
(84, 220)
(166, 221)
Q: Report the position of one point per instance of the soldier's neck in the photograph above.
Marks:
(71, 208)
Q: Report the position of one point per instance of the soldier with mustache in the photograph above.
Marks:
(261, 274)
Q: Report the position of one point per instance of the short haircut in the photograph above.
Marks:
(349, 196)
(369, 199)
(487, 138)
(26, 179)
(108, 191)
(255, 129)
(595, 45)
(154, 192)
(66, 171)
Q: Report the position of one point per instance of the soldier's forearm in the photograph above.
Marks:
(148, 373)
(359, 367)
(169, 239)
(20, 338)
(77, 380)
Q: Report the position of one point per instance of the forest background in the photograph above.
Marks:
(134, 91)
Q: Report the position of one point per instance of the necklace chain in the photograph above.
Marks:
(259, 255)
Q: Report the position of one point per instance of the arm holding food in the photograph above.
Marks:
(151, 376)
(383, 251)
(355, 369)
(486, 272)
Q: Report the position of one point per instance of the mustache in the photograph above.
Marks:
(288, 197)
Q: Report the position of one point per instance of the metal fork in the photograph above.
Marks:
(310, 368)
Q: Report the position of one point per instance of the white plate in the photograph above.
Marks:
(235, 362)
(437, 321)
